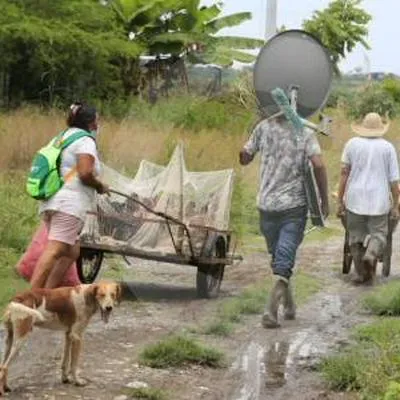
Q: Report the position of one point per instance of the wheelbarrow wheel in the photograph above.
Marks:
(89, 264)
(387, 257)
(209, 276)
(347, 257)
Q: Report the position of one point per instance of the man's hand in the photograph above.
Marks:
(325, 209)
(340, 210)
(394, 213)
(245, 158)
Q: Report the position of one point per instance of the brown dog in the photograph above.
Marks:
(67, 309)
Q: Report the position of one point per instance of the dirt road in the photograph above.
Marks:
(275, 364)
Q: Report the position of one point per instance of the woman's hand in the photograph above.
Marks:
(103, 188)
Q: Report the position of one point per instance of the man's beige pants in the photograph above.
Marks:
(374, 227)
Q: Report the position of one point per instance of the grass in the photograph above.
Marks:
(252, 301)
(146, 393)
(323, 234)
(177, 351)
(19, 219)
(370, 365)
(384, 300)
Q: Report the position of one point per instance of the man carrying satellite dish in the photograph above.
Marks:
(282, 201)
(289, 89)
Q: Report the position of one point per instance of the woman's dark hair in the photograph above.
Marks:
(81, 116)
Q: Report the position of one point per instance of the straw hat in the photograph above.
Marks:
(371, 126)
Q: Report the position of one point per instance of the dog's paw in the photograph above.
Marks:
(7, 389)
(80, 382)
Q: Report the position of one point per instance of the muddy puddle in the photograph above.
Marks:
(271, 365)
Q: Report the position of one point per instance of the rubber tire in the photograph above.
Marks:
(347, 257)
(209, 277)
(93, 256)
(387, 257)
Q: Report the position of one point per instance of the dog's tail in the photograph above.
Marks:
(20, 311)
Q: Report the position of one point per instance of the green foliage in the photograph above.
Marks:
(373, 98)
(18, 213)
(370, 365)
(341, 371)
(340, 96)
(340, 27)
(176, 351)
(384, 300)
(194, 113)
(393, 391)
(392, 87)
(55, 52)
(176, 26)
(61, 50)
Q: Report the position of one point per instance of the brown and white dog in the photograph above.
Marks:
(67, 309)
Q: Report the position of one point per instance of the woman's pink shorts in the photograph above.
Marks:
(62, 227)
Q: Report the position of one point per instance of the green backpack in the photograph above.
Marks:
(44, 179)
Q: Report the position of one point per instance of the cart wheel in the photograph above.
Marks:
(89, 264)
(209, 276)
(387, 257)
(347, 257)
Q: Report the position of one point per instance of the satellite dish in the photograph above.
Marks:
(290, 59)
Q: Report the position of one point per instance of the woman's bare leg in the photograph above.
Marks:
(53, 252)
(59, 270)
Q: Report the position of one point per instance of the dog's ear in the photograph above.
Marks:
(118, 294)
(91, 293)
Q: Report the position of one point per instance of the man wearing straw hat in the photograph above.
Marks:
(368, 193)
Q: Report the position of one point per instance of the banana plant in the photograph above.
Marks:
(184, 27)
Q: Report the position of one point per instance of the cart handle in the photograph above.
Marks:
(159, 214)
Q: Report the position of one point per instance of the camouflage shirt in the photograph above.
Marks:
(282, 164)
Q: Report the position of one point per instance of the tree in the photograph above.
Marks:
(60, 50)
(340, 27)
(184, 27)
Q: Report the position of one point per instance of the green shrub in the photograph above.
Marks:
(340, 96)
(393, 391)
(18, 213)
(384, 300)
(193, 113)
(176, 351)
(370, 365)
(392, 86)
(371, 99)
(341, 371)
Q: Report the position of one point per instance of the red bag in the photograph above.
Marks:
(27, 263)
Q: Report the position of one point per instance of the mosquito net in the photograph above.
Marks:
(198, 199)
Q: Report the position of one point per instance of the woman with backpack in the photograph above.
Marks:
(64, 211)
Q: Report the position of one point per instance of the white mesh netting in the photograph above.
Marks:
(197, 199)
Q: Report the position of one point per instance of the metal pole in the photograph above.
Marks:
(271, 19)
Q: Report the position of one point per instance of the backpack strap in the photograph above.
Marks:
(74, 137)
(68, 141)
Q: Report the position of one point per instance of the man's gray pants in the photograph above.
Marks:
(374, 226)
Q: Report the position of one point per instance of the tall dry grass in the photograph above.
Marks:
(122, 144)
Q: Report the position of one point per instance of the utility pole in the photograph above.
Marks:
(271, 23)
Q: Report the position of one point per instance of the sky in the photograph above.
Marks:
(384, 29)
